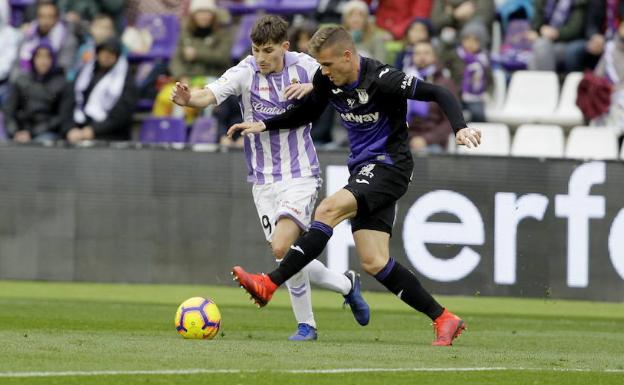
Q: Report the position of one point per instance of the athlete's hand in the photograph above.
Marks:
(246, 128)
(297, 90)
(181, 94)
(468, 136)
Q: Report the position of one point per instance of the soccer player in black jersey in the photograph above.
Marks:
(371, 100)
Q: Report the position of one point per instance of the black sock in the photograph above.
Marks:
(398, 279)
(303, 251)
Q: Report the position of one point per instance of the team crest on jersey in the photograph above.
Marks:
(362, 96)
(294, 81)
(351, 102)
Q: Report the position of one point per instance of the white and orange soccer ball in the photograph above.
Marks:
(198, 318)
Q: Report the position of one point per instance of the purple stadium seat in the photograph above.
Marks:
(242, 44)
(3, 135)
(280, 7)
(165, 30)
(204, 131)
(163, 130)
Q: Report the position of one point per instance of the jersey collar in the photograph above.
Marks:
(356, 83)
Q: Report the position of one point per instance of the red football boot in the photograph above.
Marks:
(259, 286)
(447, 327)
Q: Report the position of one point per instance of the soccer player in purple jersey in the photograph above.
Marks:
(283, 165)
(371, 98)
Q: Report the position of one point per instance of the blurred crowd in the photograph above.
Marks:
(89, 69)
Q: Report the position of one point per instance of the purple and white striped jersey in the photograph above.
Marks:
(275, 155)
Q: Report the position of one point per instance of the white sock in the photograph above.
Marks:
(320, 275)
(301, 298)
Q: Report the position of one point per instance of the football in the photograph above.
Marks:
(198, 318)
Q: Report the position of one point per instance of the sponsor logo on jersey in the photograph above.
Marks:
(407, 82)
(267, 110)
(362, 96)
(355, 118)
(383, 72)
(351, 102)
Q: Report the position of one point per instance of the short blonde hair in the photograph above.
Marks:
(330, 36)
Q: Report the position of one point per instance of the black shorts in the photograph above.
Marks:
(377, 188)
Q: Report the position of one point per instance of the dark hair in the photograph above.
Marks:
(112, 45)
(330, 36)
(295, 32)
(269, 29)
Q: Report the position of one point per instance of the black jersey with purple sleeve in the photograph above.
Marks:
(373, 110)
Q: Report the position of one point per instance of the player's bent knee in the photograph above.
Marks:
(372, 265)
(327, 211)
(279, 251)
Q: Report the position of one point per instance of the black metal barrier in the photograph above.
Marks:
(468, 225)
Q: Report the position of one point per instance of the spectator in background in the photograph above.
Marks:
(450, 16)
(202, 54)
(611, 66)
(428, 127)
(85, 11)
(395, 16)
(603, 18)
(10, 39)
(49, 27)
(38, 100)
(418, 31)
(104, 97)
(470, 66)
(101, 28)
(300, 35)
(134, 8)
(369, 40)
(205, 43)
(558, 32)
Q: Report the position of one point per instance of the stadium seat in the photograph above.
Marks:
(592, 143)
(242, 44)
(495, 140)
(535, 140)
(164, 29)
(451, 145)
(567, 113)
(163, 130)
(496, 100)
(204, 130)
(531, 96)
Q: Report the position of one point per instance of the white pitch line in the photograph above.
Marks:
(295, 371)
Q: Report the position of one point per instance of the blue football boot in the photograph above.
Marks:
(304, 332)
(354, 299)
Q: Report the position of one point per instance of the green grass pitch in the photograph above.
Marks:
(124, 334)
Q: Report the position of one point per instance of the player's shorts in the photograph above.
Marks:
(377, 188)
(292, 198)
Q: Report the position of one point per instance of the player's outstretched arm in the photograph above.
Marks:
(306, 112)
(183, 96)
